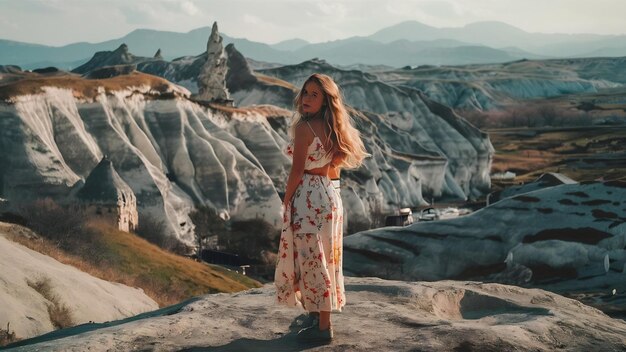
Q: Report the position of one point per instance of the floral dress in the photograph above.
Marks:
(309, 269)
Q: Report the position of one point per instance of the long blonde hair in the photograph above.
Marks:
(344, 138)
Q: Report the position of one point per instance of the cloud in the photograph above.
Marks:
(158, 12)
(189, 8)
(251, 19)
(334, 10)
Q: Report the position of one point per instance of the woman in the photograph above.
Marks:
(309, 269)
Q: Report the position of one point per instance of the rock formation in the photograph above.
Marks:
(105, 194)
(434, 131)
(417, 154)
(571, 237)
(171, 152)
(489, 86)
(380, 316)
(120, 56)
(212, 78)
(549, 179)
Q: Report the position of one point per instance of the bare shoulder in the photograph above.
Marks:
(303, 132)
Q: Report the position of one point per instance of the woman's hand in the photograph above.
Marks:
(335, 165)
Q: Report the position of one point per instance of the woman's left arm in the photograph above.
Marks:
(300, 145)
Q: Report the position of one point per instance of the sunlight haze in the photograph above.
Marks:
(55, 22)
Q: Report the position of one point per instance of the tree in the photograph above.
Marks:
(208, 223)
(251, 239)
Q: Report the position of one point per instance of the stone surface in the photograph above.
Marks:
(212, 77)
(570, 239)
(380, 316)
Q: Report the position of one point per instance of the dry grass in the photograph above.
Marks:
(585, 153)
(266, 110)
(7, 336)
(275, 82)
(82, 88)
(129, 259)
(60, 314)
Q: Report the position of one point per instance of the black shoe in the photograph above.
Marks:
(314, 334)
(305, 320)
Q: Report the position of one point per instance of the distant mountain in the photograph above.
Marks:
(409, 30)
(403, 52)
(145, 42)
(407, 43)
(499, 35)
(290, 44)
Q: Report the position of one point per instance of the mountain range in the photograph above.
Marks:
(408, 43)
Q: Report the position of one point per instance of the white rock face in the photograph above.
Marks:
(227, 161)
(87, 297)
(174, 153)
(411, 123)
(380, 316)
(489, 86)
(490, 94)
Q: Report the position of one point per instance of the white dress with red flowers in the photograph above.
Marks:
(309, 268)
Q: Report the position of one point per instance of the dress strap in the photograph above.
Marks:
(324, 143)
(307, 122)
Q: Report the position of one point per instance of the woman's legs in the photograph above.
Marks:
(324, 320)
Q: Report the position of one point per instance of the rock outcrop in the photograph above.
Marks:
(212, 77)
(380, 316)
(569, 238)
(31, 282)
(172, 153)
(420, 150)
(249, 88)
(105, 194)
(489, 86)
(437, 130)
(120, 56)
(549, 179)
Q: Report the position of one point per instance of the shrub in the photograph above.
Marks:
(208, 224)
(152, 229)
(51, 220)
(536, 115)
(60, 314)
(155, 231)
(251, 239)
(357, 225)
(7, 337)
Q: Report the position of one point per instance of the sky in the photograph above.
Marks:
(60, 22)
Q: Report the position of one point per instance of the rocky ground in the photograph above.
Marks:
(380, 316)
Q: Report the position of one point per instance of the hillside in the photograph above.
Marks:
(583, 153)
(117, 256)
